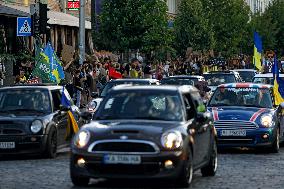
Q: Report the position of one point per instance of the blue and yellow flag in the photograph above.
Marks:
(257, 51)
(72, 126)
(278, 88)
(56, 69)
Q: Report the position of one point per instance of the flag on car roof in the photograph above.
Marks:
(72, 126)
(278, 88)
(257, 51)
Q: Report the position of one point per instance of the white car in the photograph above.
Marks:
(265, 78)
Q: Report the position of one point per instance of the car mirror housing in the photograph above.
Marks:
(86, 115)
(282, 105)
(95, 95)
(202, 117)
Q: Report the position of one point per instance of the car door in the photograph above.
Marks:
(60, 118)
(202, 130)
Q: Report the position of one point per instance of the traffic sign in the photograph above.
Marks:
(24, 26)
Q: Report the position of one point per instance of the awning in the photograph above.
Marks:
(55, 18)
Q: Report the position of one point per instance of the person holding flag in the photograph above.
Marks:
(72, 126)
(278, 88)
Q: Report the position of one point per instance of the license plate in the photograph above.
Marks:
(233, 133)
(122, 159)
(7, 145)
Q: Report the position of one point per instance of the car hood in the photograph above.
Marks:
(238, 113)
(134, 129)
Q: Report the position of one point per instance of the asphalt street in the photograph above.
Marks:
(238, 169)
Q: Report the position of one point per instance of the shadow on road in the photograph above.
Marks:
(260, 151)
(28, 157)
(128, 184)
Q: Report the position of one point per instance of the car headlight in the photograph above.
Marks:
(266, 120)
(36, 126)
(172, 140)
(82, 139)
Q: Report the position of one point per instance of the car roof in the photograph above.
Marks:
(132, 79)
(185, 76)
(219, 72)
(267, 75)
(182, 89)
(33, 86)
(248, 70)
(245, 85)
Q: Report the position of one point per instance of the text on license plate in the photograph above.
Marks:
(122, 159)
(233, 133)
(7, 145)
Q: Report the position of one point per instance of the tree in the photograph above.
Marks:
(133, 24)
(192, 28)
(229, 19)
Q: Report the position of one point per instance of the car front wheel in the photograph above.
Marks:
(211, 168)
(276, 143)
(79, 181)
(51, 146)
(186, 174)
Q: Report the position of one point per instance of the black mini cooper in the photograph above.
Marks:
(32, 121)
(146, 132)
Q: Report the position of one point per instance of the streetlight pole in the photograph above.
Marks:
(82, 32)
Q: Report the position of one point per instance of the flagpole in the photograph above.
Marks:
(82, 32)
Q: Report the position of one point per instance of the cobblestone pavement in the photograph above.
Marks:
(237, 169)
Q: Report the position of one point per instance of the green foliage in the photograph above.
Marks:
(192, 28)
(229, 19)
(132, 24)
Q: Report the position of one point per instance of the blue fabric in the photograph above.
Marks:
(257, 42)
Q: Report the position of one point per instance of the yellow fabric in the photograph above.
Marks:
(71, 125)
(277, 97)
(257, 59)
(133, 73)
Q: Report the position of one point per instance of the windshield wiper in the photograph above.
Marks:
(25, 110)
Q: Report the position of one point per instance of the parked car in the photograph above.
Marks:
(247, 75)
(182, 80)
(32, 121)
(245, 115)
(98, 97)
(266, 78)
(146, 132)
(221, 77)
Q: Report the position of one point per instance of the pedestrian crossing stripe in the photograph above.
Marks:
(26, 28)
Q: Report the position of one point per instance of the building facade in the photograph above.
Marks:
(258, 5)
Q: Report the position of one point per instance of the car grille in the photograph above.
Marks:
(231, 124)
(11, 128)
(117, 146)
(146, 169)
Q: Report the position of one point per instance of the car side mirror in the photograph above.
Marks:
(202, 117)
(95, 95)
(64, 108)
(86, 115)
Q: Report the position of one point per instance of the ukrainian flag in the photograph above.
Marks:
(257, 51)
(278, 88)
(72, 126)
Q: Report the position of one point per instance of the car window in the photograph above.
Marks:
(154, 105)
(217, 79)
(189, 105)
(56, 97)
(248, 97)
(25, 99)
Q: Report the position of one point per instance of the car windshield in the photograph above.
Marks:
(110, 85)
(217, 79)
(25, 100)
(264, 80)
(247, 76)
(179, 81)
(149, 105)
(249, 97)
